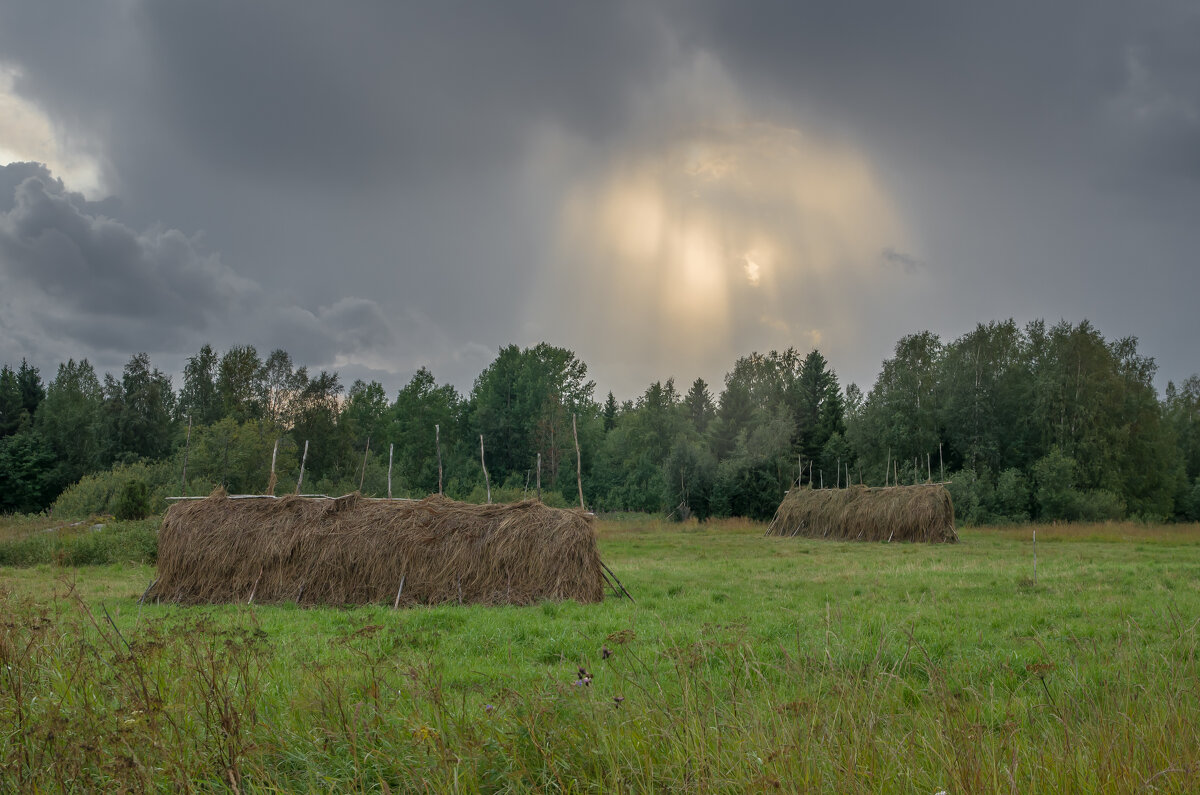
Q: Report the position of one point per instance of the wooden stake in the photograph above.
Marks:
(821, 472)
(391, 449)
(941, 463)
(254, 588)
(486, 480)
(887, 467)
(539, 477)
(437, 433)
(838, 476)
(363, 476)
(271, 479)
(303, 458)
(1035, 557)
(578, 462)
(928, 469)
(187, 446)
(398, 592)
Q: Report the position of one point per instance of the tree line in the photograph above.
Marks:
(1036, 422)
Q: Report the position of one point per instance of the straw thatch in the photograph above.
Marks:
(859, 513)
(354, 550)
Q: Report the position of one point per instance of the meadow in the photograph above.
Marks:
(744, 663)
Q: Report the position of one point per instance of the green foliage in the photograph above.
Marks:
(1054, 486)
(1190, 503)
(27, 472)
(1012, 497)
(97, 493)
(523, 404)
(12, 412)
(102, 543)
(1004, 406)
(133, 502)
(972, 494)
(1057, 498)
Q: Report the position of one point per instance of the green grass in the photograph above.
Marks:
(746, 663)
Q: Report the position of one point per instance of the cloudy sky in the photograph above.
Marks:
(660, 187)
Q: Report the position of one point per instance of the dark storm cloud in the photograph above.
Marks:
(397, 151)
(70, 272)
(387, 91)
(52, 239)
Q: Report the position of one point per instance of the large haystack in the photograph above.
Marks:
(354, 550)
(859, 513)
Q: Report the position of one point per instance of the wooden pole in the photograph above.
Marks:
(887, 467)
(486, 480)
(363, 475)
(847, 474)
(187, 446)
(578, 462)
(539, 477)
(928, 469)
(1035, 557)
(391, 449)
(941, 463)
(839, 474)
(271, 479)
(303, 458)
(437, 433)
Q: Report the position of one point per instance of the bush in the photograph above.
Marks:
(120, 542)
(98, 493)
(1011, 502)
(971, 494)
(1189, 506)
(133, 502)
(1097, 506)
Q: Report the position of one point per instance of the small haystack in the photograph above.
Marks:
(354, 550)
(859, 513)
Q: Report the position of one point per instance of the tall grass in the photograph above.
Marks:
(746, 664)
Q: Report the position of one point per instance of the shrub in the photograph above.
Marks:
(1189, 506)
(1054, 492)
(971, 493)
(133, 502)
(1011, 502)
(98, 493)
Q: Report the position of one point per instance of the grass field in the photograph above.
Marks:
(745, 664)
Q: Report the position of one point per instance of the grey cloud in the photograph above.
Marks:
(392, 151)
(388, 91)
(77, 280)
(100, 266)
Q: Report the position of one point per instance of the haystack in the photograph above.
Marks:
(354, 550)
(860, 513)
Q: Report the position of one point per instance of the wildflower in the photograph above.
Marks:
(617, 701)
(488, 708)
(605, 653)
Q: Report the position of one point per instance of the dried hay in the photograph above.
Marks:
(860, 513)
(354, 550)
